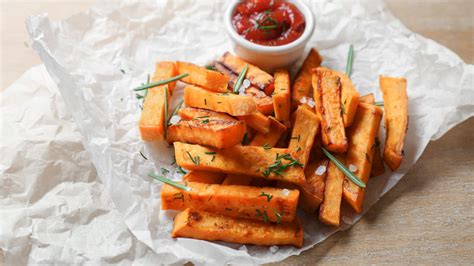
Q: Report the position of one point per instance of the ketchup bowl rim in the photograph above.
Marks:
(289, 47)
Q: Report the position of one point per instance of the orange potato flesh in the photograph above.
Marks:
(395, 99)
(257, 121)
(188, 113)
(235, 201)
(349, 97)
(204, 177)
(303, 134)
(246, 160)
(327, 94)
(208, 79)
(237, 179)
(302, 86)
(264, 102)
(152, 119)
(369, 98)
(378, 167)
(217, 227)
(210, 132)
(312, 192)
(255, 75)
(330, 210)
(229, 103)
(271, 138)
(361, 150)
(165, 70)
(281, 95)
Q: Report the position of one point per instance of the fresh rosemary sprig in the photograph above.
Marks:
(350, 59)
(266, 146)
(160, 82)
(344, 169)
(175, 110)
(169, 182)
(262, 214)
(240, 79)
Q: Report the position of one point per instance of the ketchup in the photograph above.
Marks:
(268, 22)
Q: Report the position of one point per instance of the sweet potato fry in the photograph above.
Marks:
(361, 150)
(211, 226)
(220, 102)
(210, 132)
(281, 95)
(255, 75)
(302, 86)
(327, 94)
(204, 177)
(271, 138)
(257, 121)
(395, 99)
(349, 97)
(261, 162)
(152, 120)
(165, 70)
(208, 79)
(330, 210)
(378, 167)
(264, 204)
(264, 102)
(237, 179)
(369, 98)
(312, 192)
(303, 134)
(189, 113)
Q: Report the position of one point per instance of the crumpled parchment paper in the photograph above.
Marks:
(98, 56)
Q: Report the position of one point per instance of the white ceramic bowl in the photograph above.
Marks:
(270, 57)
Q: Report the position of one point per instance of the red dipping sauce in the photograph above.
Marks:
(268, 22)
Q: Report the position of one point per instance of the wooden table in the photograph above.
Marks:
(427, 218)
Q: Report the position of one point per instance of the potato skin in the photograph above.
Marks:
(211, 226)
(395, 99)
(327, 95)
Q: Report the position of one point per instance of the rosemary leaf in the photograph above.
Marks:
(169, 182)
(175, 110)
(344, 169)
(240, 79)
(350, 59)
(160, 82)
(379, 104)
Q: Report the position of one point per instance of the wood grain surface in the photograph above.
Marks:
(428, 218)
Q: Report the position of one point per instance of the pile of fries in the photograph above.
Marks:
(256, 146)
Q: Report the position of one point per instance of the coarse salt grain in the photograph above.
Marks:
(285, 192)
(321, 170)
(243, 248)
(242, 90)
(246, 83)
(273, 249)
(352, 168)
(175, 119)
(303, 100)
(311, 102)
